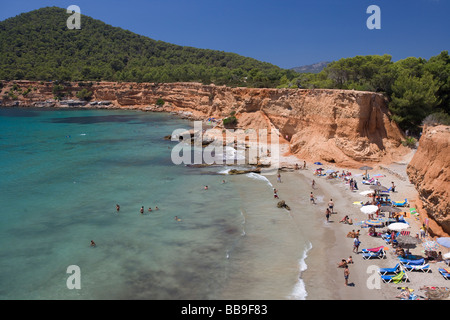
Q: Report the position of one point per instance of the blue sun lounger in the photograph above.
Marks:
(422, 267)
(411, 262)
(380, 254)
(444, 273)
(397, 278)
(394, 270)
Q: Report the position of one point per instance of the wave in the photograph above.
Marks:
(299, 291)
(257, 176)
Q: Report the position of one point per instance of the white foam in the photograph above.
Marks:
(257, 176)
(299, 291)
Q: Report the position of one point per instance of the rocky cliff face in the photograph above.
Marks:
(429, 171)
(338, 126)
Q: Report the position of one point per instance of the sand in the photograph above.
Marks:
(323, 279)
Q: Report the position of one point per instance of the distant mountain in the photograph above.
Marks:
(38, 45)
(312, 68)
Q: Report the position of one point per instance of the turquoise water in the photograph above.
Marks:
(64, 171)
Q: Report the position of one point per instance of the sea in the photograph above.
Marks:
(63, 171)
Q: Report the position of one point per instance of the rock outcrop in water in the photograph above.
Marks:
(429, 171)
(338, 126)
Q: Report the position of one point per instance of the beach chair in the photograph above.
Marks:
(423, 267)
(397, 278)
(387, 236)
(411, 262)
(380, 254)
(400, 204)
(445, 273)
(388, 241)
(394, 270)
(372, 249)
(369, 182)
(388, 190)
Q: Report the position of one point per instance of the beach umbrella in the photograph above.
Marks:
(365, 168)
(365, 193)
(407, 241)
(330, 171)
(446, 255)
(390, 209)
(369, 209)
(430, 245)
(444, 241)
(375, 223)
(398, 226)
(379, 188)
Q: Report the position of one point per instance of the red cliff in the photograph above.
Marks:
(338, 126)
(429, 171)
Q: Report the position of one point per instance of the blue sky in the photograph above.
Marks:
(287, 33)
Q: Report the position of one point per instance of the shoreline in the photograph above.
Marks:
(323, 279)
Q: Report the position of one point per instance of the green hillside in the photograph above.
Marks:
(38, 46)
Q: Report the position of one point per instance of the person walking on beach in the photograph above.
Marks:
(356, 244)
(311, 198)
(331, 205)
(313, 184)
(327, 214)
(346, 274)
(279, 177)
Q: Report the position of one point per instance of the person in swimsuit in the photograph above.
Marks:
(331, 205)
(311, 198)
(346, 275)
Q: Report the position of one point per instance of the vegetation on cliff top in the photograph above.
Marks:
(415, 87)
(38, 46)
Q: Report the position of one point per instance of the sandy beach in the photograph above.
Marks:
(323, 279)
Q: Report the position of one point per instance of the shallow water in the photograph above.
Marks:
(63, 171)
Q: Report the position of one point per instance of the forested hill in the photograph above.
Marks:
(38, 46)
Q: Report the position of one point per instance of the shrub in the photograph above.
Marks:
(230, 121)
(160, 102)
(409, 142)
(437, 119)
(84, 94)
